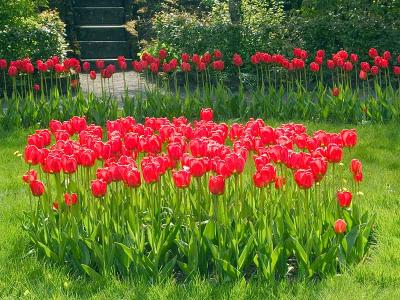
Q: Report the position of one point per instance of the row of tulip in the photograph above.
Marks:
(336, 88)
(173, 198)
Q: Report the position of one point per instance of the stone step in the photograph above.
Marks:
(104, 49)
(101, 33)
(107, 62)
(97, 3)
(99, 15)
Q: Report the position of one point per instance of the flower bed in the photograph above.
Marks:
(176, 198)
(336, 87)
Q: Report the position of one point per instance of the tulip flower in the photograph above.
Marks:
(344, 198)
(340, 226)
(29, 176)
(181, 178)
(70, 199)
(162, 54)
(99, 188)
(37, 188)
(335, 92)
(216, 185)
(237, 60)
(206, 114)
(304, 178)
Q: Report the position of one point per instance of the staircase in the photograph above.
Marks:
(100, 30)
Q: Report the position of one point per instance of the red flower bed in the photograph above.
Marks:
(169, 196)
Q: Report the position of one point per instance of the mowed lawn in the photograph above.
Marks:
(23, 275)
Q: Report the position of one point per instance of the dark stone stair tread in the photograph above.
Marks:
(96, 3)
(99, 15)
(104, 49)
(101, 33)
(100, 26)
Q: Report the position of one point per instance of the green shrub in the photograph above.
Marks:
(37, 37)
(279, 26)
(186, 32)
(353, 25)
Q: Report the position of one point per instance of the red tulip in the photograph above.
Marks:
(206, 58)
(70, 199)
(255, 59)
(217, 54)
(69, 164)
(320, 53)
(330, 64)
(335, 91)
(280, 182)
(185, 67)
(396, 70)
(150, 173)
(42, 68)
(181, 178)
(197, 167)
(237, 60)
(258, 180)
(162, 54)
(132, 178)
(104, 174)
(37, 188)
(374, 70)
(363, 75)
(185, 57)
(32, 155)
(344, 198)
(206, 114)
(334, 153)
(218, 65)
(349, 137)
(122, 65)
(36, 87)
(12, 71)
(3, 64)
(92, 75)
(268, 173)
(348, 66)
(175, 151)
(99, 188)
(304, 178)
(340, 226)
(314, 67)
(318, 167)
(373, 53)
(354, 58)
(154, 68)
(387, 55)
(355, 166)
(358, 177)
(29, 176)
(100, 65)
(86, 66)
(216, 184)
(319, 60)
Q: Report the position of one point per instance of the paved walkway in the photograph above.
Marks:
(115, 84)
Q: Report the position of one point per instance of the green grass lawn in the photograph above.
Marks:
(22, 274)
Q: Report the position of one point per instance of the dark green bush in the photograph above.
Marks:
(354, 25)
(187, 32)
(38, 37)
(278, 26)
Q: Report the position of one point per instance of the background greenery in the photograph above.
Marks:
(28, 29)
(377, 277)
(246, 26)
